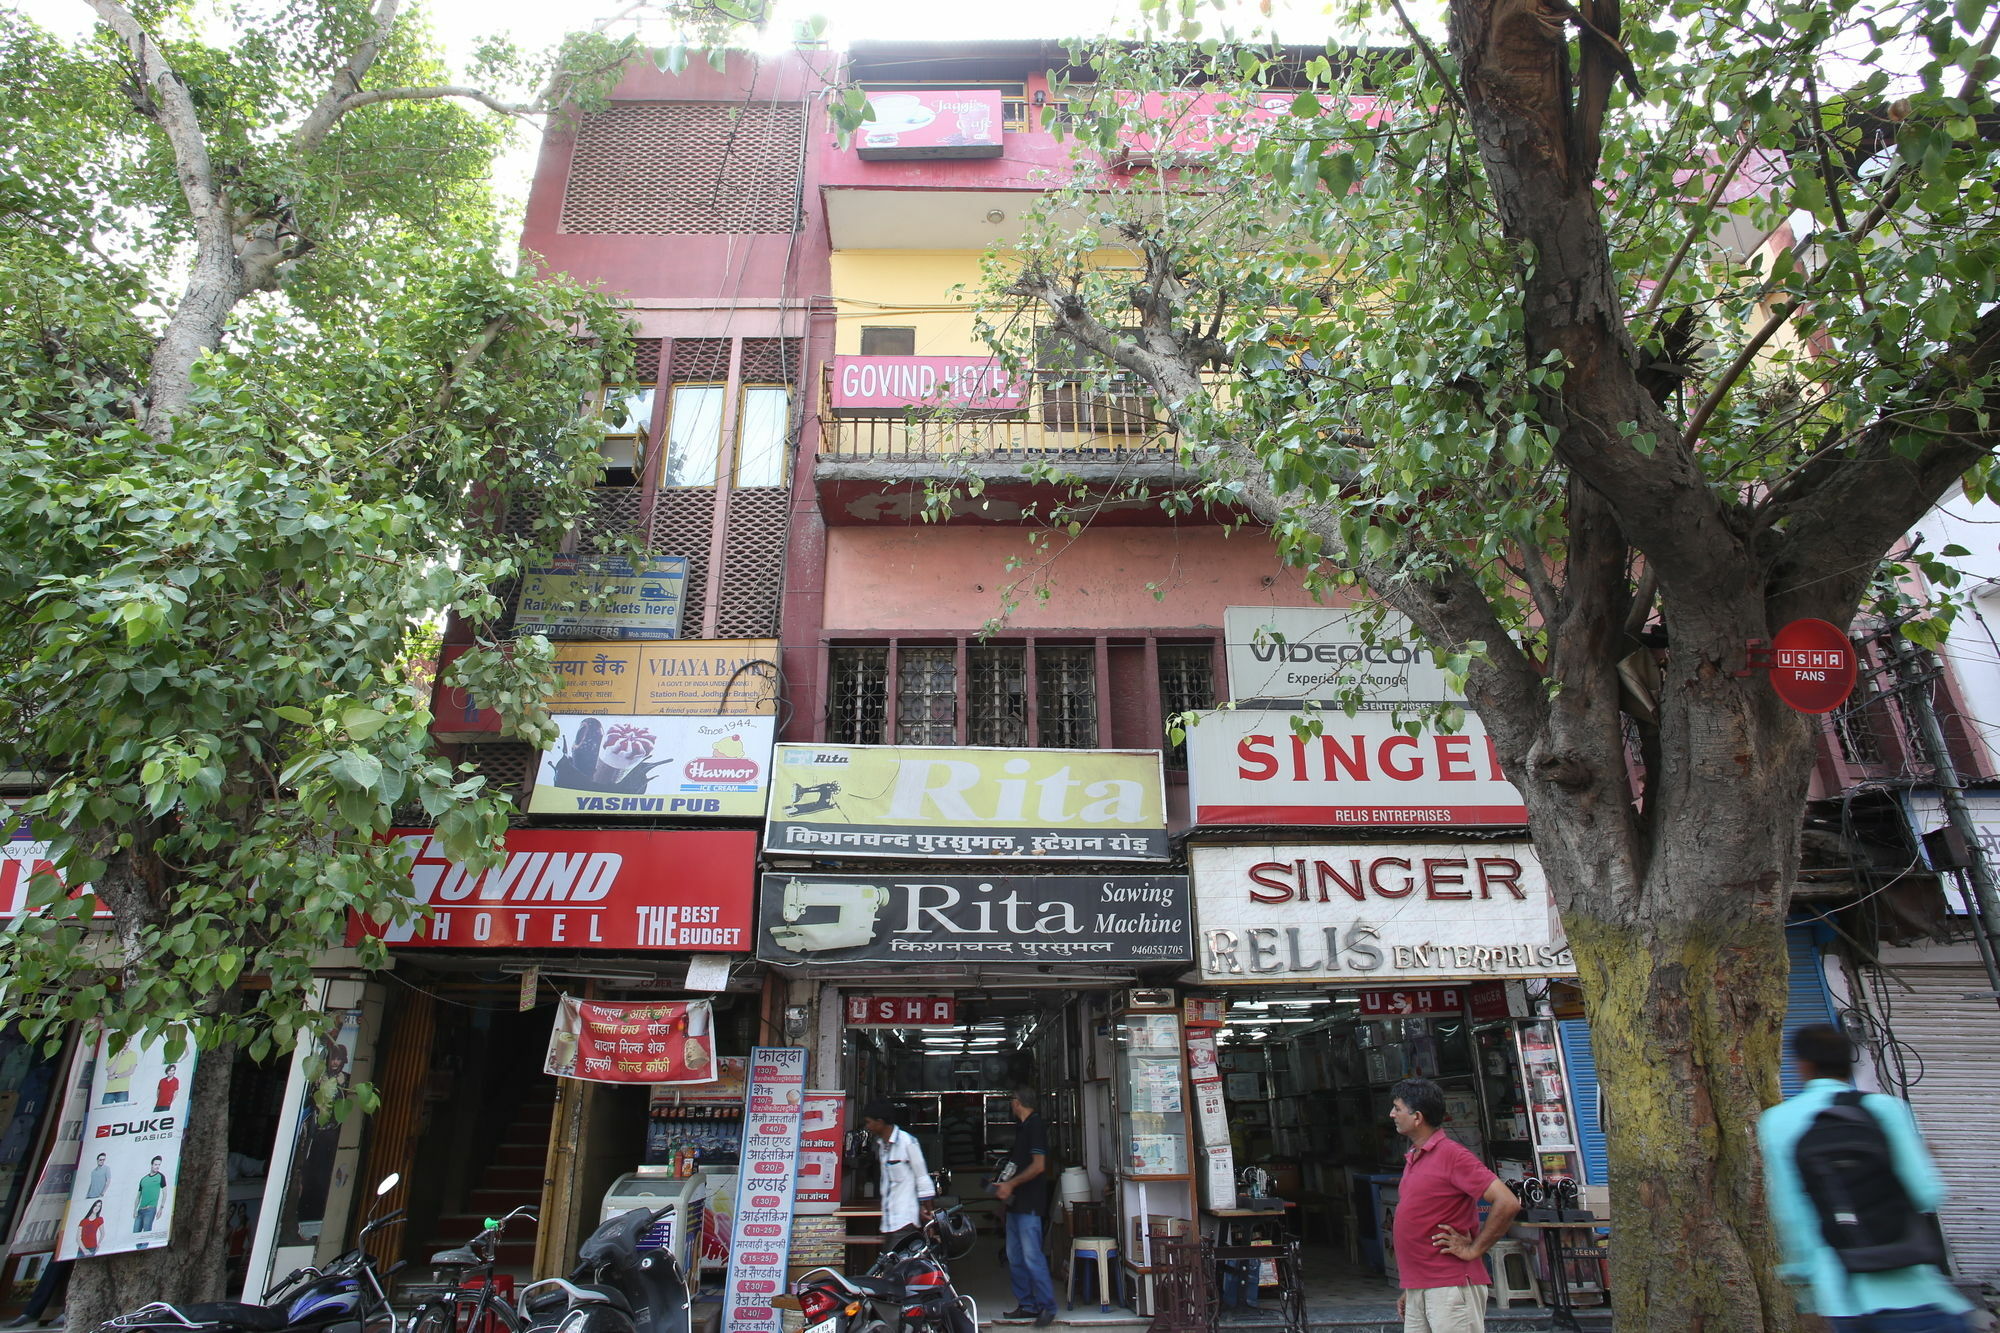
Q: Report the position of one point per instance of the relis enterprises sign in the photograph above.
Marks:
(807, 917)
(1375, 913)
(967, 802)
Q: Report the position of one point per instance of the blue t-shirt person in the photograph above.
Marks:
(1848, 1300)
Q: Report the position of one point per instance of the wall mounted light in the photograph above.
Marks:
(995, 215)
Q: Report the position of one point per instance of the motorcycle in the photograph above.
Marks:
(908, 1288)
(347, 1296)
(615, 1287)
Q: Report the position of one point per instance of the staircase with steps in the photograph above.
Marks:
(511, 1176)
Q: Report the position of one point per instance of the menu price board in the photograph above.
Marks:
(760, 1237)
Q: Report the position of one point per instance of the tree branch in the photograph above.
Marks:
(347, 80)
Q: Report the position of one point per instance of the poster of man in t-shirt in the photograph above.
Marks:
(169, 1088)
(151, 1186)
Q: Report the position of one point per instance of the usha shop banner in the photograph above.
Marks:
(128, 1173)
(967, 802)
(1248, 766)
(583, 889)
(648, 1041)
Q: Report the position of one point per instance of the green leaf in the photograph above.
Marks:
(291, 714)
(362, 722)
(357, 768)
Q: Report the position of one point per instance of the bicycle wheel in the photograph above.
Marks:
(430, 1317)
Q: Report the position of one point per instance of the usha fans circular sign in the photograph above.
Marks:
(1812, 666)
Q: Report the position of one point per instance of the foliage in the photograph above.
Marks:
(214, 601)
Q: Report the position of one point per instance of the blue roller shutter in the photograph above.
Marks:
(1807, 1001)
(1574, 1034)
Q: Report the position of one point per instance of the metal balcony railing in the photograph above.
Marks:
(1062, 418)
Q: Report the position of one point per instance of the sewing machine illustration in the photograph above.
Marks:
(811, 799)
(855, 907)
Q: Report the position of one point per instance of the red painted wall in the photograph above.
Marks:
(892, 580)
(715, 269)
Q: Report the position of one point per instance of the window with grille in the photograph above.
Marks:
(685, 168)
(857, 696)
(1046, 694)
(927, 696)
(1066, 697)
(763, 435)
(1187, 683)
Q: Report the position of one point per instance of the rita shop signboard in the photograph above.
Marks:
(926, 918)
(583, 889)
(1375, 913)
(1249, 766)
(893, 383)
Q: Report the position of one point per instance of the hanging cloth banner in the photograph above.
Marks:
(40, 1224)
(123, 1195)
(649, 1041)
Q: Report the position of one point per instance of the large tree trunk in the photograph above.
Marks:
(1684, 1016)
(190, 1268)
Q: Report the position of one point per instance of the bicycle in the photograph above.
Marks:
(442, 1307)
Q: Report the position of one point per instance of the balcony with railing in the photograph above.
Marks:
(893, 425)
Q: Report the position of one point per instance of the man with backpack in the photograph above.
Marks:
(1852, 1192)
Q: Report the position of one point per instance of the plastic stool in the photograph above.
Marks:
(1513, 1274)
(1103, 1249)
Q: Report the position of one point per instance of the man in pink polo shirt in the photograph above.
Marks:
(1437, 1211)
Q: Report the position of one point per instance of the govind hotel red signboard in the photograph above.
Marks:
(888, 383)
(583, 889)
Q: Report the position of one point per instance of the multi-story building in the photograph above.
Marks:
(977, 858)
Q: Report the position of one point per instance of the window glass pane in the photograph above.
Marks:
(762, 435)
(629, 412)
(694, 435)
(1187, 683)
(888, 340)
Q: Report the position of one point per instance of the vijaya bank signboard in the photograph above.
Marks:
(1374, 914)
(583, 889)
(1251, 767)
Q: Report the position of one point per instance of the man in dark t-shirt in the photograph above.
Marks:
(1024, 1188)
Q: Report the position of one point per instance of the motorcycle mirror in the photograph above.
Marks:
(389, 1182)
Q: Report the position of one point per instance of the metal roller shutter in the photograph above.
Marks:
(1958, 1041)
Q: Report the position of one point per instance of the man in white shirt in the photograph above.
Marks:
(906, 1181)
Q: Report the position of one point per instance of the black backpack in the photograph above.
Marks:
(1849, 1173)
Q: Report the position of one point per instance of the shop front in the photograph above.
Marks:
(567, 1030)
(1012, 906)
(1333, 971)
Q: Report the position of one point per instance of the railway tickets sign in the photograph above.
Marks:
(967, 802)
(1375, 913)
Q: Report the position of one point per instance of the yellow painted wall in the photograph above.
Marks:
(913, 289)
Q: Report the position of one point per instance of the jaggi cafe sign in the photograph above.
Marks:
(967, 802)
(1322, 653)
(603, 597)
(1375, 913)
(808, 917)
(583, 889)
(1252, 767)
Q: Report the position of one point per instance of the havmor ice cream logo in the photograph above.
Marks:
(655, 765)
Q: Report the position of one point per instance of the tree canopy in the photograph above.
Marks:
(274, 375)
(1601, 344)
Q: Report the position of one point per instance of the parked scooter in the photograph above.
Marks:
(615, 1287)
(347, 1296)
(908, 1288)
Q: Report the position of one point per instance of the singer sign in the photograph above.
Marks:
(582, 889)
(1252, 767)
